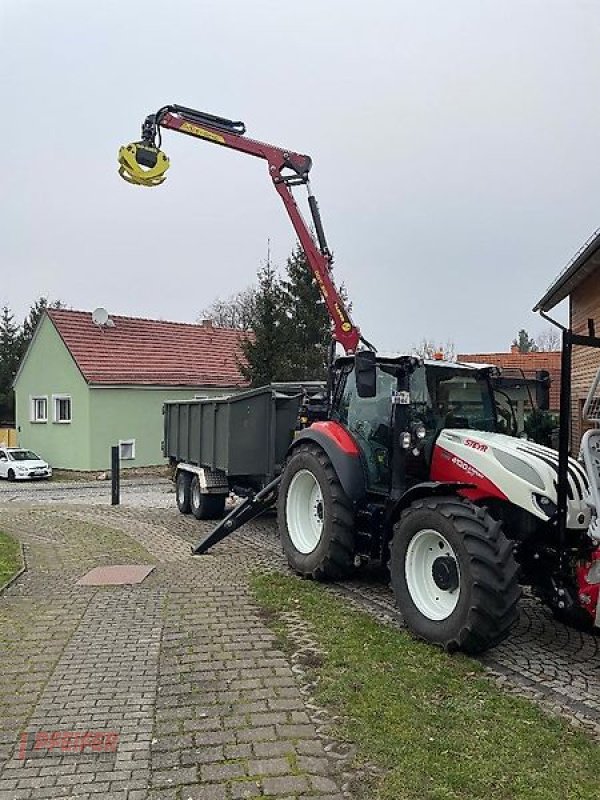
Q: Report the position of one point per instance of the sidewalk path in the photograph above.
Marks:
(181, 667)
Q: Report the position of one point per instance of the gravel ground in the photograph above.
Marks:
(142, 493)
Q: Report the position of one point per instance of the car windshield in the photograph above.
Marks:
(23, 455)
(449, 397)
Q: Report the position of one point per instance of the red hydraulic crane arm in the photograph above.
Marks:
(287, 169)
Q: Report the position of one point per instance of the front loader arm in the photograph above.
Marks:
(144, 163)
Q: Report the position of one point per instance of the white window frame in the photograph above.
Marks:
(129, 442)
(33, 399)
(55, 399)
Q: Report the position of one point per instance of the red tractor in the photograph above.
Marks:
(412, 463)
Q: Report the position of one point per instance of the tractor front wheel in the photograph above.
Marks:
(454, 574)
(316, 520)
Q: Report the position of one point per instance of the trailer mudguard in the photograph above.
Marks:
(343, 453)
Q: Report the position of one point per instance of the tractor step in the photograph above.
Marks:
(248, 509)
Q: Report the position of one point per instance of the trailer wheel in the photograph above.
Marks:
(454, 574)
(205, 506)
(183, 490)
(316, 520)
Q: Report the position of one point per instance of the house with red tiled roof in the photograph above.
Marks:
(85, 386)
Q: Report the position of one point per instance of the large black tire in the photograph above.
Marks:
(482, 583)
(183, 485)
(205, 506)
(332, 555)
(10, 475)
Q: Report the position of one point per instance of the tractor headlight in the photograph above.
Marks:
(519, 468)
(420, 432)
(405, 440)
(545, 505)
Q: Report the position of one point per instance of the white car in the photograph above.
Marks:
(17, 464)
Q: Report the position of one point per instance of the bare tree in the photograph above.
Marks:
(428, 348)
(237, 311)
(548, 339)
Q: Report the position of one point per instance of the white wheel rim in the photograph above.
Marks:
(423, 550)
(304, 511)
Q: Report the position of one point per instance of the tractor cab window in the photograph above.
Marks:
(449, 397)
(369, 419)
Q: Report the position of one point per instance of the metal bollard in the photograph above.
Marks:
(115, 473)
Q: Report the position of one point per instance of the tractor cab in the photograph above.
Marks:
(415, 398)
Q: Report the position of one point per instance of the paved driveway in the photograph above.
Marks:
(182, 667)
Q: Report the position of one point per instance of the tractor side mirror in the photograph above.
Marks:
(366, 373)
(542, 389)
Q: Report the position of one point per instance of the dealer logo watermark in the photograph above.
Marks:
(64, 743)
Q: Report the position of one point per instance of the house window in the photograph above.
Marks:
(39, 409)
(126, 449)
(62, 408)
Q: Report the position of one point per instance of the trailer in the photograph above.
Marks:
(236, 443)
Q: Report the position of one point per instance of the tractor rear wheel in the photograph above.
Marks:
(205, 506)
(183, 490)
(316, 519)
(454, 574)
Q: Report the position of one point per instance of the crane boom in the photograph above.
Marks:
(144, 163)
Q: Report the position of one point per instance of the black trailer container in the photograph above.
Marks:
(235, 443)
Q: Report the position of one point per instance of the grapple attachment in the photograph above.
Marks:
(143, 164)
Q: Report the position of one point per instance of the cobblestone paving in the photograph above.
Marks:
(181, 667)
(543, 659)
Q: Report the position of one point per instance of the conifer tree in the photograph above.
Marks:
(308, 323)
(9, 362)
(33, 317)
(265, 352)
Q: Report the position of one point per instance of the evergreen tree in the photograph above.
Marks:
(524, 342)
(10, 352)
(265, 353)
(308, 322)
(33, 317)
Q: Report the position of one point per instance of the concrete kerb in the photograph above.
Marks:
(17, 574)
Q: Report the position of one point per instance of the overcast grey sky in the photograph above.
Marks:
(455, 147)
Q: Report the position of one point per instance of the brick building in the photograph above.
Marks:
(521, 370)
(514, 362)
(579, 282)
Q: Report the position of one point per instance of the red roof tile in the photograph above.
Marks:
(150, 352)
(528, 362)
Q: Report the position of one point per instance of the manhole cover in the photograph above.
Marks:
(116, 575)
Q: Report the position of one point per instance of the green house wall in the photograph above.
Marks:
(123, 413)
(101, 416)
(48, 370)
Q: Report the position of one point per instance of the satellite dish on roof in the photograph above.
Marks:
(100, 316)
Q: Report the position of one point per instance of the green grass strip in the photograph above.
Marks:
(437, 726)
(10, 557)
